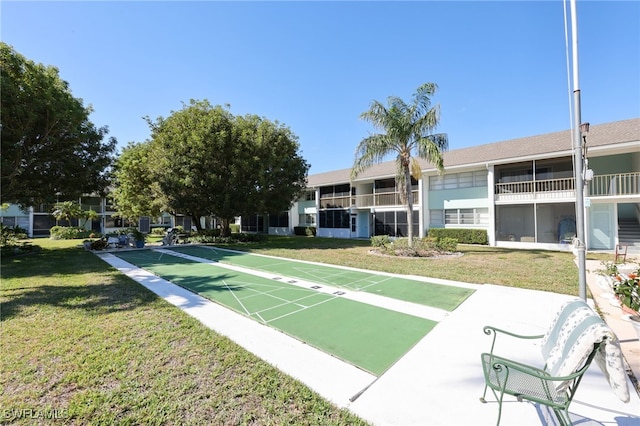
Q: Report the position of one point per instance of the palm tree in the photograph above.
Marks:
(67, 210)
(407, 129)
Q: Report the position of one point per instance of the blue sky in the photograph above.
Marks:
(316, 66)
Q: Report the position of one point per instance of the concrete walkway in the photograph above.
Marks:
(439, 381)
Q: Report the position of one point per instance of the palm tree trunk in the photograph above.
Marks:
(409, 198)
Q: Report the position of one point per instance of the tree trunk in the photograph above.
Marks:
(196, 220)
(409, 198)
(226, 229)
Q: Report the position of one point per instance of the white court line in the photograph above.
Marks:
(300, 310)
(292, 303)
(236, 297)
(287, 301)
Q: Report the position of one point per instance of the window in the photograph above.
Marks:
(253, 223)
(396, 224)
(478, 216)
(335, 191)
(307, 219)
(12, 221)
(334, 219)
(475, 179)
(279, 220)
(310, 195)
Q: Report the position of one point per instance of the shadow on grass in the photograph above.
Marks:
(98, 299)
(49, 262)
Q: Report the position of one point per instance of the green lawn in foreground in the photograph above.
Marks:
(85, 343)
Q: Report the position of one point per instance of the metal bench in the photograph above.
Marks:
(576, 336)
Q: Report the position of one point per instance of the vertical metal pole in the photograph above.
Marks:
(578, 161)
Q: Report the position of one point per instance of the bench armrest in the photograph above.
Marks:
(524, 381)
(489, 330)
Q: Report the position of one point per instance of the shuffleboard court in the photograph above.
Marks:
(430, 294)
(370, 337)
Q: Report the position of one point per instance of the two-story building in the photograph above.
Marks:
(521, 191)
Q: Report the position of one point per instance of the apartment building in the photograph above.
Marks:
(521, 191)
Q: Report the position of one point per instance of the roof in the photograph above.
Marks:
(618, 133)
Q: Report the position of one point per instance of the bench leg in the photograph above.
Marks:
(563, 416)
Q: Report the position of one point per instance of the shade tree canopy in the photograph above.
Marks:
(204, 161)
(50, 148)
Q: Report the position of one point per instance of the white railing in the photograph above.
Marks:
(539, 189)
(600, 186)
(335, 202)
(615, 184)
(383, 199)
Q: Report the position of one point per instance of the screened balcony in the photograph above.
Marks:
(536, 190)
(383, 199)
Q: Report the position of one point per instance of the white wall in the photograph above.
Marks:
(334, 232)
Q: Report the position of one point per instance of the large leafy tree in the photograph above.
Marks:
(203, 161)
(50, 148)
(192, 158)
(406, 130)
(279, 172)
(134, 191)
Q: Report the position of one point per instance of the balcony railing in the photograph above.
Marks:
(335, 202)
(618, 184)
(600, 186)
(539, 189)
(383, 199)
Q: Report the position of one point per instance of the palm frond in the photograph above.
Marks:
(416, 170)
(371, 150)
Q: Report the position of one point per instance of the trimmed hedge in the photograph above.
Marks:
(464, 236)
(309, 231)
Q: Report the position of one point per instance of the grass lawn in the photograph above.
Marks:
(86, 344)
(533, 269)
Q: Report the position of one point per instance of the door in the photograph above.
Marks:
(601, 230)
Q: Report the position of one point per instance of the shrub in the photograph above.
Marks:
(158, 231)
(206, 236)
(247, 238)
(68, 233)
(98, 245)
(10, 236)
(463, 236)
(309, 231)
(447, 244)
(380, 241)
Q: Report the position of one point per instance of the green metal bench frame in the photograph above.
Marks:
(525, 382)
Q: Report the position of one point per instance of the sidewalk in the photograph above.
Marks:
(439, 382)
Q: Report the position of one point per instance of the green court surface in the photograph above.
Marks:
(429, 294)
(367, 336)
